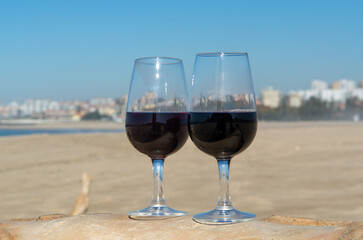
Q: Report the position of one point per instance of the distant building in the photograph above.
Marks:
(338, 92)
(39, 106)
(319, 85)
(360, 84)
(358, 93)
(271, 97)
(335, 85)
(294, 100)
(347, 84)
(65, 110)
(307, 94)
(333, 95)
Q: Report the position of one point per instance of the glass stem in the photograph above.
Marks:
(224, 200)
(158, 195)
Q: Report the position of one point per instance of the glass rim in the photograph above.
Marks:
(145, 60)
(220, 54)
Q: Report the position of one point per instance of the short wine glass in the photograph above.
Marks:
(156, 121)
(222, 121)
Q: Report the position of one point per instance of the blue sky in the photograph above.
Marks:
(80, 49)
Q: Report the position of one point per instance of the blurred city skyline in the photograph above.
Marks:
(72, 50)
(339, 100)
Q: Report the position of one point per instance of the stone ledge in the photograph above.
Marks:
(114, 226)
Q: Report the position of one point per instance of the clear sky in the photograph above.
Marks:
(80, 49)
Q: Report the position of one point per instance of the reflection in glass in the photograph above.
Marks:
(156, 121)
(222, 121)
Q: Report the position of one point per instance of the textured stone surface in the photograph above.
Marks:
(112, 226)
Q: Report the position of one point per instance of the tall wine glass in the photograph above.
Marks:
(156, 121)
(222, 121)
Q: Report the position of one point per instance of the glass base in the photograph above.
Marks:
(223, 217)
(153, 212)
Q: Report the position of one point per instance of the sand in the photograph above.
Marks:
(295, 169)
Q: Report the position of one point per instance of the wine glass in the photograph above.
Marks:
(156, 121)
(222, 121)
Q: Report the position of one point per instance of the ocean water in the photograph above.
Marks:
(18, 132)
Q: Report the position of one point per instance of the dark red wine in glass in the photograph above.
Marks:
(157, 134)
(222, 121)
(222, 134)
(156, 121)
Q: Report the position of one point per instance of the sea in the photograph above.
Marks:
(18, 132)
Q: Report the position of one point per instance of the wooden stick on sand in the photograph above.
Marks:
(81, 204)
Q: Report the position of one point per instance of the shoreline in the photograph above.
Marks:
(65, 125)
(121, 125)
(66, 131)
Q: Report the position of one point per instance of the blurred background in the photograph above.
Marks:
(66, 59)
(65, 62)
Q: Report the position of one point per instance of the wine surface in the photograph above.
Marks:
(157, 134)
(222, 134)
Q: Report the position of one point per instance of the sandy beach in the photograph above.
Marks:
(294, 169)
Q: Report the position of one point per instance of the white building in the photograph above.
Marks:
(340, 91)
(347, 85)
(307, 94)
(358, 93)
(295, 99)
(333, 95)
(271, 97)
(319, 85)
(39, 106)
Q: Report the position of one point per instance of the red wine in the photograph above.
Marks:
(222, 134)
(157, 134)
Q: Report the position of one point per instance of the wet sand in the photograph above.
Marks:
(295, 169)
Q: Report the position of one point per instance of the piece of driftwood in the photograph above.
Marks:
(117, 227)
(81, 205)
